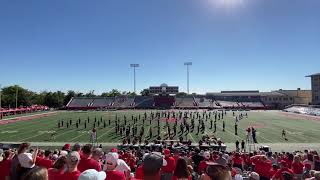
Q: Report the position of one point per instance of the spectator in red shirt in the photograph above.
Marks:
(111, 164)
(86, 161)
(203, 164)
(5, 165)
(283, 171)
(262, 166)
(273, 170)
(57, 170)
(181, 171)
(167, 171)
(72, 173)
(176, 155)
(237, 161)
(153, 163)
(297, 165)
(46, 162)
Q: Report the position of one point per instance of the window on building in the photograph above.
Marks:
(291, 98)
(316, 98)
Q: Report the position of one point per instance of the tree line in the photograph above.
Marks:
(55, 99)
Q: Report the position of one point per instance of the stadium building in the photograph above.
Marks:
(315, 88)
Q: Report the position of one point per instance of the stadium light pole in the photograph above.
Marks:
(134, 66)
(188, 64)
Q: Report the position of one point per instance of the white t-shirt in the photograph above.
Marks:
(24, 159)
(122, 166)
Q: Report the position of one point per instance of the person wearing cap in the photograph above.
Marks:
(92, 174)
(283, 169)
(197, 158)
(86, 161)
(167, 171)
(66, 147)
(221, 160)
(111, 164)
(262, 166)
(5, 165)
(77, 147)
(153, 163)
(203, 164)
(72, 173)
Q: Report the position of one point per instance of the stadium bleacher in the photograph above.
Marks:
(185, 102)
(80, 103)
(143, 102)
(123, 101)
(103, 102)
(203, 102)
(304, 110)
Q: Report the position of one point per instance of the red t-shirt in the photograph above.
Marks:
(115, 175)
(46, 163)
(237, 160)
(176, 178)
(5, 169)
(85, 164)
(262, 167)
(71, 175)
(297, 167)
(139, 172)
(202, 166)
(278, 174)
(171, 165)
(55, 174)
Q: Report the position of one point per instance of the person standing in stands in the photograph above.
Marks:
(152, 165)
(86, 161)
(262, 166)
(181, 171)
(5, 165)
(72, 172)
(168, 170)
(111, 164)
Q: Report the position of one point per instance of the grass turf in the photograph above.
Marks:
(269, 125)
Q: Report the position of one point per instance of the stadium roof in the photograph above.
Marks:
(317, 74)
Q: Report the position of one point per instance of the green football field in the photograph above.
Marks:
(269, 125)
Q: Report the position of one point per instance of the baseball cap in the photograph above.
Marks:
(153, 161)
(92, 174)
(67, 147)
(112, 158)
(73, 156)
(63, 153)
(254, 176)
(166, 151)
(114, 150)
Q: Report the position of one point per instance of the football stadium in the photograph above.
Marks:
(159, 90)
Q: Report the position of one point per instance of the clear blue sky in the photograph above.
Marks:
(88, 45)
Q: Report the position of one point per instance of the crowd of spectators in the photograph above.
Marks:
(85, 162)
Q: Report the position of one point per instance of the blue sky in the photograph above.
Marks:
(88, 45)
